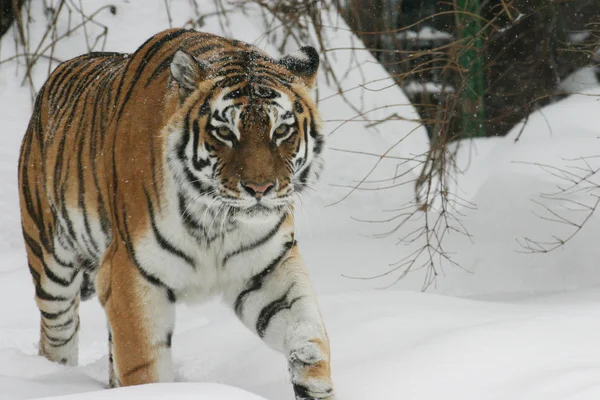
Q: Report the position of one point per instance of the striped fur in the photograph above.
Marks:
(169, 175)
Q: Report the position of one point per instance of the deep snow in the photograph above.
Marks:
(525, 327)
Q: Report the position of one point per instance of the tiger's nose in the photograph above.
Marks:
(258, 190)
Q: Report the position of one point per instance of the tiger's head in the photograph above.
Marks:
(249, 132)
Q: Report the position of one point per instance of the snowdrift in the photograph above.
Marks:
(179, 391)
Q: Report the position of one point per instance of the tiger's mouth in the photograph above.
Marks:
(241, 202)
(257, 210)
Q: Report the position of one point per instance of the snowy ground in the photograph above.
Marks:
(385, 345)
(508, 326)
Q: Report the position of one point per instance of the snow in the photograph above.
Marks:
(182, 391)
(578, 37)
(508, 325)
(428, 87)
(582, 79)
(411, 345)
(425, 33)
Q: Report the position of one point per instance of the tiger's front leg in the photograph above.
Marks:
(141, 318)
(280, 306)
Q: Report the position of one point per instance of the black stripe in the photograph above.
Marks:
(96, 111)
(61, 262)
(143, 62)
(62, 342)
(162, 241)
(110, 353)
(23, 167)
(198, 163)
(162, 67)
(315, 134)
(39, 290)
(272, 309)
(86, 243)
(65, 215)
(194, 182)
(110, 358)
(257, 243)
(166, 63)
(304, 176)
(62, 76)
(229, 71)
(58, 166)
(70, 93)
(226, 56)
(313, 126)
(36, 249)
(235, 94)
(188, 221)
(302, 392)
(305, 134)
(104, 54)
(24, 178)
(34, 274)
(215, 169)
(57, 314)
(86, 76)
(217, 116)
(236, 64)
(80, 176)
(153, 169)
(256, 282)
(58, 326)
(319, 144)
(224, 111)
(204, 49)
(272, 79)
(205, 108)
(87, 288)
(264, 92)
(185, 137)
(131, 59)
(131, 252)
(226, 82)
(43, 295)
(57, 279)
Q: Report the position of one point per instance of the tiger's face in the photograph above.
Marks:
(250, 138)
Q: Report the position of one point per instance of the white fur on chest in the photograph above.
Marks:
(238, 251)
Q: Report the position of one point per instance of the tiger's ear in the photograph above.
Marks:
(188, 72)
(304, 64)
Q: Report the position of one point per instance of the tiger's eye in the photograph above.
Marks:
(225, 132)
(281, 130)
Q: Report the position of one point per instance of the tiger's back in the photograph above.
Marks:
(59, 156)
(124, 158)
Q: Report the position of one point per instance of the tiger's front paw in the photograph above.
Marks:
(310, 372)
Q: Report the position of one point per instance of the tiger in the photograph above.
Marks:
(169, 175)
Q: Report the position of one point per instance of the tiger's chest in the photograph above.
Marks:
(204, 259)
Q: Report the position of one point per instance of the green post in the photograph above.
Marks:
(471, 63)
